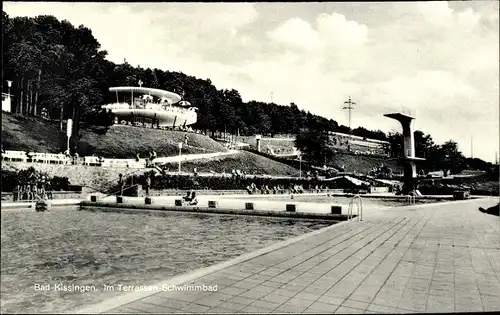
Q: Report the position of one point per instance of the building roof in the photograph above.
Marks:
(357, 137)
(172, 97)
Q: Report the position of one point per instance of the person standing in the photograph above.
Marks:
(16, 192)
(32, 180)
(121, 183)
(39, 185)
(147, 186)
(48, 189)
(44, 187)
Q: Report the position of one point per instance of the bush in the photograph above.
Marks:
(59, 183)
(9, 180)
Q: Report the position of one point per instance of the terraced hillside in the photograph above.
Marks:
(244, 161)
(35, 134)
(363, 163)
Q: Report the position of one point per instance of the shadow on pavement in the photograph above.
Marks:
(492, 210)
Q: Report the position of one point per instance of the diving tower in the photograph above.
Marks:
(406, 117)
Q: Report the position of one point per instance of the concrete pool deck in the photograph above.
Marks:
(426, 258)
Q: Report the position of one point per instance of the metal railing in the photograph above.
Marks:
(120, 190)
(356, 200)
(108, 192)
(401, 109)
(410, 198)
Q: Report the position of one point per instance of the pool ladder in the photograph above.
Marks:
(358, 202)
(410, 198)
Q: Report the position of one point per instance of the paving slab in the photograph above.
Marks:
(425, 258)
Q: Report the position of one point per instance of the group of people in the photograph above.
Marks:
(149, 160)
(190, 198)
(238, 173)
(382, 172)
(278, 189)
(35, 187)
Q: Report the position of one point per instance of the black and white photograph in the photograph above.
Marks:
(250, 157)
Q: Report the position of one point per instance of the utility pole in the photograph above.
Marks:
(471, 147)
(349, 106)
(271, 97)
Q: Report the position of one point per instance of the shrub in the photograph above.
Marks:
(59, 183)
(9, 180)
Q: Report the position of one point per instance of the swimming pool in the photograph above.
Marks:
(97, 248)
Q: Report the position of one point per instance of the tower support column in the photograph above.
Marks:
(408, 154)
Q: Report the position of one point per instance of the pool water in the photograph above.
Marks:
(367, 201)
(97, 248)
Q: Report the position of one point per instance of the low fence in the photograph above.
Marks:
(55, 195)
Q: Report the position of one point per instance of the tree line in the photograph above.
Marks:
(61, 69)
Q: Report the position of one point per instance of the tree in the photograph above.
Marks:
(227, 116)
(264, 123)
(426, 148)
(452, 159)
(313, 144)
(396, 143)
(63, 72)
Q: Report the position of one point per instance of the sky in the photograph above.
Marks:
(439, 59)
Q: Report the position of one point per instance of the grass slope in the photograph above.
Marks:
(31, 134)
(126, 141)
(35, 134)
(363, 163)
(244, 161)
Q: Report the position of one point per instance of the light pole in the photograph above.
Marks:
(300, 165)
(69, 130)
(9, 102)
(180, 152)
